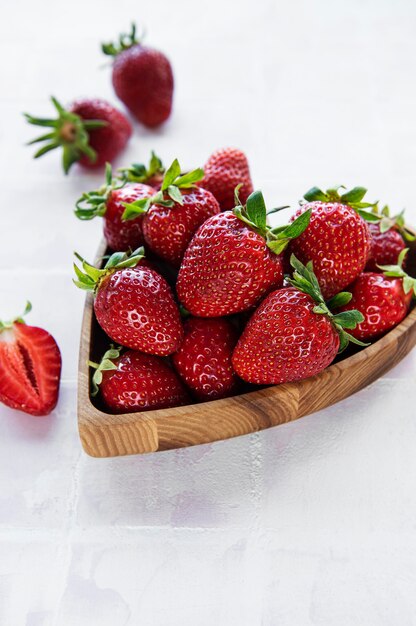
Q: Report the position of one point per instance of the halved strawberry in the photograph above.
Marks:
(30, 367)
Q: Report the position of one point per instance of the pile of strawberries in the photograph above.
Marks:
(199, 297)
(221, 301)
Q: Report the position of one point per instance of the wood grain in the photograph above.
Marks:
(106, 435)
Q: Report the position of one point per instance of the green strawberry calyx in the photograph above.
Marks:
(170, 191)
(397, 271)
(254, 214)
(139, 173)
(90, 277)
(106, 364)
(18, 319)
(94, 203)
(352, 198)
(68, 131)
(125, 41)
(387, 222)
(305, 280)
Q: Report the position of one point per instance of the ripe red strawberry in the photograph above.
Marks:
(385, 247)
(337, 239)
(133, 304)
(137, 382)
(204, 359)
(30, 367)
(383, 299)
(233, 260)
(142, 79)
(172, 216)
(109, 202)
(293, 334)
(225, 169)
(91, 132)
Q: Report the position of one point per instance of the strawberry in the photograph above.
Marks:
(109, 202)
(337, 239)
(293, 334)
(133, 304)
(30, 367)
(142, 79)
(385, 247)
(91, 132)
(204, 358)
(383, 299)
(234, 259)
(388, 236)
(172, 216)
(225, 169)
(136, 382)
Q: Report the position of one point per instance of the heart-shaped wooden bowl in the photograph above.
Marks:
(106, 435)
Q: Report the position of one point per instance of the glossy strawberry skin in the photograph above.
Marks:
(227, 268)
(141, 382)
(143, 80)
(337, 241)
(204, 359)
(225, 169)
(381, 300)
(135, 307)
(124, 235)
(168, 230)
(109, 140)
(285, 340)
(385, 247)
(30, 369)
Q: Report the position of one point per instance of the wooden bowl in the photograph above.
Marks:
(106, 435)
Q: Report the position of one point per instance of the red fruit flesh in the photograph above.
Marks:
(204, 359)
(381, 300)
(337, 241)
(135, 307)
(142, 382)
(109, 140)
(225, 169)
(285, 340)
(30, 369)
(385, 247)
(227, 268)
(168, 230)
(124, 235)
(143, 80)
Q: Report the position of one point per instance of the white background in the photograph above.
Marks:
(312, 523)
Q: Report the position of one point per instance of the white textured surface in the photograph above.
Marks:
(312, 523)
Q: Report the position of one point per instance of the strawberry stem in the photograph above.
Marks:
(305, 280)
(170, 191)
(254, 214)
(352, 198)
(125, 41)
(139, 173)
(397, 271)
(89, 277)
(104, 365)
(94, 203)
(18, 319)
